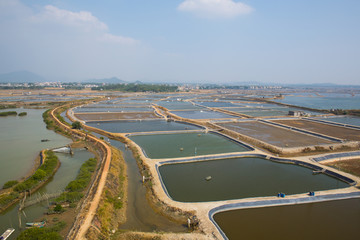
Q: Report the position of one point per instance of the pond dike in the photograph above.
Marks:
(205, 210)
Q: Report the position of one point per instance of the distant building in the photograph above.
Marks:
(299, 114)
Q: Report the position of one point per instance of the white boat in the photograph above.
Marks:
(7, 233)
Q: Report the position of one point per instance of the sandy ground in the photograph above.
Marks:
(114, 116)
(274, 135)
(330, 130)
(351, 166)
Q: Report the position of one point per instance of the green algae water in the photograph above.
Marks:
(331, 220)
(20, 143)
(186, 144)
(240, 178)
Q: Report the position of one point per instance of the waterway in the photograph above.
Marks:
(67, 172)
(140, 215)
(20, 143)
(331, 220)
(185, 144)
(240, 178)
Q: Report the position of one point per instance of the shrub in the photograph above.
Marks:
(76, 125)
(9, 184)
(39, 234)
(22, 114)
(11, 113)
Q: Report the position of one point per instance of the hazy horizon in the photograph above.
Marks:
(189, 41)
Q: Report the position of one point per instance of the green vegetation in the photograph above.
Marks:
(8, 198)
(75, 187)
(46, 117)
(58, 208)
(10, 113)
(7, 106)
(345, 112)
(9, 184)
(47, 233)
(132, 87)
(76, 125)
(41, 174)
(22, 114)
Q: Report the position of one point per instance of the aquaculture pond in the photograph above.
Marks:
(142, 126)
(240, 178)
(114, 109)
(217, 104)
(344, 120)
(202, 114)
(185, 144)
(67, 172)
(331, 220)
(178, 105)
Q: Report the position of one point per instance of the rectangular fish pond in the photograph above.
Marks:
(236, 178)
(186, 144)
(202, 114)
(331, 220)
(142, 126)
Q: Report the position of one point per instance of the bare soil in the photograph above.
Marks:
(330, 130)
(115, 116)
(351, 166)
(274, 135)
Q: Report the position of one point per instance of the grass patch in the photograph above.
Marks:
(41, 174)
(9, 184)
(46, 233)
(74, 188)
(9, 113)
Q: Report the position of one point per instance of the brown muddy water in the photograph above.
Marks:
(331, 220)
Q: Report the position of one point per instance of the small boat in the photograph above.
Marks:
(7, 233)
(208, 178)
(45, 140)
(36, 224)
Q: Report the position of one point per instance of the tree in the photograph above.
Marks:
(76, 125)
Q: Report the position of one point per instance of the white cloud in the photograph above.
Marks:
(107, 37)
(215, 8)
(82, 19)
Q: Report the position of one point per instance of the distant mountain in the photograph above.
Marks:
(113, 80)
(21, 77)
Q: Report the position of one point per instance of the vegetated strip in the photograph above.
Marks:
(40, 177)
(111, 212)
(84, 219)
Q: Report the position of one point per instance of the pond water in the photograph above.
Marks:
(141, 126)
(331, 220)
(20, 143)
(345, 120)
(67, 172)
(240, 178)
(185, 144)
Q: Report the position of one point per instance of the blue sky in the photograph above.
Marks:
(204, 41)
